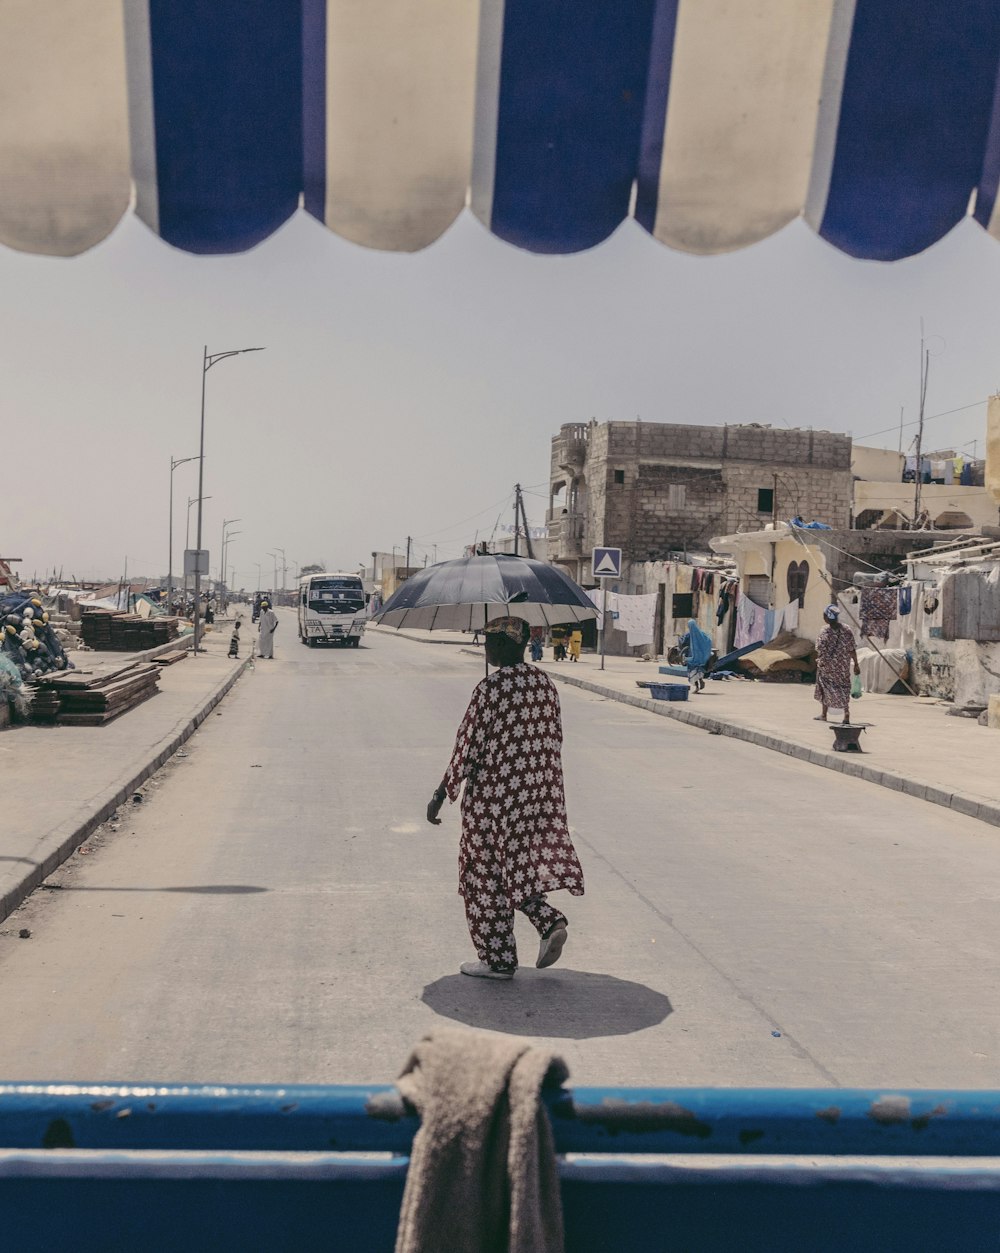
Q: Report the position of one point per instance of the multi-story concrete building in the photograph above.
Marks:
(652, 488)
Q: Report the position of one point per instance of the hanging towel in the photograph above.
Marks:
(482, 1175)
(879, 606)
(636, 617)
(790, 616)
(905, 601)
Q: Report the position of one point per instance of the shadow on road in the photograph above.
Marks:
(569, 1004)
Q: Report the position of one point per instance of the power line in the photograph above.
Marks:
(930, 417)
(424, 539)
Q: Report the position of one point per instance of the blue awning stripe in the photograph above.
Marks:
(314, 107)
(915, 109)
(654, 121)
(227, 107)
(989, 180)
(572, 86)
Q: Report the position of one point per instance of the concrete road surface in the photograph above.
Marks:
(277, 910)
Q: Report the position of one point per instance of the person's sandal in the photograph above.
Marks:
(551, 947)
(480, 970)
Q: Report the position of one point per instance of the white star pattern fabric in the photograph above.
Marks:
(508, 752)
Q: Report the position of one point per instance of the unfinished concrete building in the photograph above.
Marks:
(657, 488)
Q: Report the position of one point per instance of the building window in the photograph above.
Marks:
(676, 496)
(619, 476)
(682, 605)
(765, 499)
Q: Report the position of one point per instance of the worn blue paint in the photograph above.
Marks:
(587, 1120)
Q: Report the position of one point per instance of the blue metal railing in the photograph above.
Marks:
(744, 1121)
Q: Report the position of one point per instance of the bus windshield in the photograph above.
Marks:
(336, 595)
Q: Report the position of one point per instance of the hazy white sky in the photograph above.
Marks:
(407, 394)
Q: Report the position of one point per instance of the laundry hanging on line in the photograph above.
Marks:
(879, 607)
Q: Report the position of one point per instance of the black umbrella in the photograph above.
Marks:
(463, 595)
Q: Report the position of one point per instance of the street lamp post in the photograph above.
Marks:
(222, 553)
(187, 534)
(274, 585)
(226, 537)
(174, 463)
(208, 360)
(257, 564)
(284, 568)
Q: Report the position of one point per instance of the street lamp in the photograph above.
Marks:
(274, 558)
(222, 551)
(257, 564)
(187, 530)
(174, 463)
(208, 360)
(187, 534)
(226, 537)
(284, 568)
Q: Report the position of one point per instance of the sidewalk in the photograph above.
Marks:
(912, 746)
(59, 783)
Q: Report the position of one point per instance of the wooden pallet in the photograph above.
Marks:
(108, 715)
(72, 700)
(170, 659)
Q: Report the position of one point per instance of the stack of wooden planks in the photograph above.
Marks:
(80, 701)
(108, 629)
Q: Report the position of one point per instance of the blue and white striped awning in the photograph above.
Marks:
(712, 122)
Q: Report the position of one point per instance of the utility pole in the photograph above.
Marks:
(524, 519)
(517, 517)
(409, 541)
(774, 502)
(925, 364)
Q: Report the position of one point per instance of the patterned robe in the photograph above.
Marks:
(834, 653)
(508, 752)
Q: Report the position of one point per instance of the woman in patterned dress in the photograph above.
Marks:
(835, 651)
(515, 844)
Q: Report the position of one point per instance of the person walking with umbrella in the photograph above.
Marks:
(515, 845)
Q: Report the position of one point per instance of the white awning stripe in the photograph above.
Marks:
(741, 119)
(399, 105)
(64, 146)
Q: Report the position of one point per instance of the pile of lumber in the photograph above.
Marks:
(108, 629)
(78, 701)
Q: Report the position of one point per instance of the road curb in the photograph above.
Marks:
(417, 639)
(68, 836)
(960, 802)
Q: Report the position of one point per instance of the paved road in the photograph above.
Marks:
(278, 910)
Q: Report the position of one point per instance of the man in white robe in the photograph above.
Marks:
(266, 626)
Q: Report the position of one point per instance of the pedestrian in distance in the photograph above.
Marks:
(537, 643)
(234, 640)
(835, 653)
(575, 644)
(266, 626)
(515, 845)
(558, 635)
